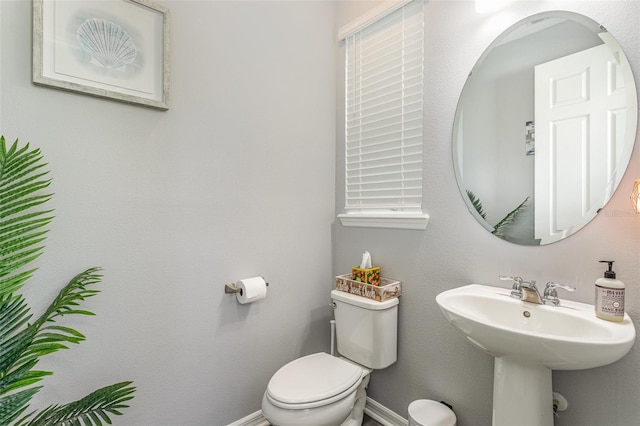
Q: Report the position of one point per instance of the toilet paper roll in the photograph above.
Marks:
(251, 289)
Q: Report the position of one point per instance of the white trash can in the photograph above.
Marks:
(425, 412)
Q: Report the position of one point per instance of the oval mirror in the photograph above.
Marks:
(544, 128)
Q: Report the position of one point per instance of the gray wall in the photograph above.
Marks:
(235, 180)
(434, 361)
(239, 179)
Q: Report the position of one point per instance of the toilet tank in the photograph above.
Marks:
(366, 330)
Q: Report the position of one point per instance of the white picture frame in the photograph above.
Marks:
(115, 49)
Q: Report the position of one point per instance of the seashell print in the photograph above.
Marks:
(107, 43)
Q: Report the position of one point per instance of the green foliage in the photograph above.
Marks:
(93, 409)
(21, 229)
(22, 342)
(499, 228)
(475, 201)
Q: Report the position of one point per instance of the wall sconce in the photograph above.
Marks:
(488, 6)
(635, 196)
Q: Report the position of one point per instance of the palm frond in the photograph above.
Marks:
(22, 377)
(12, 406)
(47, 338)
(21, 230)
(10, 285)
(93, 409)
(15, 338)
(17, 164)
(74, 292)
(14, 313)
(475, 201)
(16, 373)
(22, 233)
(498, 230)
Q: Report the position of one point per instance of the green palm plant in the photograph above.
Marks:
(477, 204)
(499, 228)
(23, 341)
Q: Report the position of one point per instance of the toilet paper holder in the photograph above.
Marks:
(231, 287)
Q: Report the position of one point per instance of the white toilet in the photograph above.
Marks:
(324, 390)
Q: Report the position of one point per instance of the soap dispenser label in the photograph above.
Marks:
(610, 300)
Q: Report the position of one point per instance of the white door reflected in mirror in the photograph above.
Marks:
(580, 112)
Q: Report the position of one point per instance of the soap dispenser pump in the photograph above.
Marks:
(609, 296)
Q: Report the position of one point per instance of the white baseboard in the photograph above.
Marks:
(255, 419)
(383, 415)
(373, 409)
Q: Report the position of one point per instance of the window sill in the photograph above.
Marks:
(392, 221)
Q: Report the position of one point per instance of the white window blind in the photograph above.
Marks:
(384, 118)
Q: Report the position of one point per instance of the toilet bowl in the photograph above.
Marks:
(316, 390)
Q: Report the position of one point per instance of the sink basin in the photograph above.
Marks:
(566, 337)
(528, 341)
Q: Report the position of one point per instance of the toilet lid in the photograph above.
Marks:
(313, 378)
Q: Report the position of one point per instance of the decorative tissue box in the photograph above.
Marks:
(386, 289)
(366, 275)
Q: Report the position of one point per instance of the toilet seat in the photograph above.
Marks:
(313, 381)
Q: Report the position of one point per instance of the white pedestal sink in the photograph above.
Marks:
(528, 341)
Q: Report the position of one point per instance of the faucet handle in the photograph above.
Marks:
(509, 278)
(517, 281)
(516, 291)
(551, 286)
(551, 295)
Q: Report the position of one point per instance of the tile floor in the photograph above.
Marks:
(368, 421)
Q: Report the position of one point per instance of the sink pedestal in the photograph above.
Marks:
(522, 393)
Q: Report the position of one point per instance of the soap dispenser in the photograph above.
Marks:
(609, 296)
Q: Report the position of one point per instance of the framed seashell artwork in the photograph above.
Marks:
(115, 49)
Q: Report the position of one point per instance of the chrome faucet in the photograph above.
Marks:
(550, 296)
(524, 290)
(528, 292)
